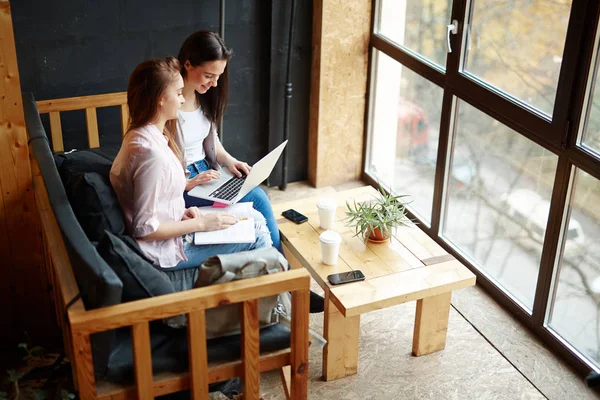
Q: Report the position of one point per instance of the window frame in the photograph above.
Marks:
(558, 134)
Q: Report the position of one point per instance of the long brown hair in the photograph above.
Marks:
(201, 47)
(147, 83)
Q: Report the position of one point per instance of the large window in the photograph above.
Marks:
(487, 113)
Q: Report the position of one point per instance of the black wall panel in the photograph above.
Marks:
(80, 47)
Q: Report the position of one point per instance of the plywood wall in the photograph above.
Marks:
(341, 30)
(24, 299)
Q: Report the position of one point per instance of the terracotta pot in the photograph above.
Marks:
(378, 236)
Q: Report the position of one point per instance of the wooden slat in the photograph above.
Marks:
(142, 361)
(67, 285)
(198, 357)
(431, 324)
(188, 301)
(85, 368)
(64, 286)
(299, 343)
(361, 297)
(250, 350)
(170, 382)
(92, 128)
(81, 102)
(303, 243)
(309, 204)
(124, 118)
(56, 132)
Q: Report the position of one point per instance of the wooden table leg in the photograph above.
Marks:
(431, 324)
(340, 356)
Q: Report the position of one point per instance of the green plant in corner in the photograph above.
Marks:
(374, 220)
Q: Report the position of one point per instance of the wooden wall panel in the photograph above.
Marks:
(25, 301)
(341, 32)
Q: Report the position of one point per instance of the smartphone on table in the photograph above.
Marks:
(346, 277)
(294, 216)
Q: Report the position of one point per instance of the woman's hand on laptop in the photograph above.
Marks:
(238, 167)
(202, 177)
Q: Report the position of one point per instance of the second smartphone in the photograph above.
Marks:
(294, 216)
(346, 277)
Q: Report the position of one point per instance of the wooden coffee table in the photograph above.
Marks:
(413, 268)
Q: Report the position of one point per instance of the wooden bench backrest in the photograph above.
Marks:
(89, 104)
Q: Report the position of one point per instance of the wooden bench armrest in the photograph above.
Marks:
(193, 303)
(189, 301)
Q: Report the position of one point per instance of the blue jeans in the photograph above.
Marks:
(258, 197)
(197, 254)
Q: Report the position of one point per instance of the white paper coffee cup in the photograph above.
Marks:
(330, 247)
(327, 208)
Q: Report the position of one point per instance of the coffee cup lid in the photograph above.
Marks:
(330, 237)
(326, 204)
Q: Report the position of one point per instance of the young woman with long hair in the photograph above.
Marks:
(149, 179)
(204, 58)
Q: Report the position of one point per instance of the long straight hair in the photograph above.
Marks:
(147, 83)
(201, 47)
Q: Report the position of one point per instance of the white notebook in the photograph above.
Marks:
(242, 232)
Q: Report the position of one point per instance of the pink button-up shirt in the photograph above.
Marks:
(149, 182)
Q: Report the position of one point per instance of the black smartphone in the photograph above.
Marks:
(294, 216)
(345, 277)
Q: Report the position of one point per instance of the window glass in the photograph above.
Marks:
(498, 200)
(575, 301)
(517, 47)
(590, 132)
(405, 124)
(417, 25)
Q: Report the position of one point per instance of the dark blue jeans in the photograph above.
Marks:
(258, 197)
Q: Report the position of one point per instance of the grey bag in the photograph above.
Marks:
(225, 320)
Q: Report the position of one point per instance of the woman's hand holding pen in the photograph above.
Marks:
(202, 177)
(216, 221)
(210, 222)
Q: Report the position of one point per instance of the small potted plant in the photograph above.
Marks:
(374, 220)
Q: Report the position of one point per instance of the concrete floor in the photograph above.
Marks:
(488, 355)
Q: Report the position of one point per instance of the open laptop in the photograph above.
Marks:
(229, 189)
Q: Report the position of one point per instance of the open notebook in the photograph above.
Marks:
(242, 232)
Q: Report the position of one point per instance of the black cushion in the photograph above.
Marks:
(95, 204)
(140, 279)
(89, 160)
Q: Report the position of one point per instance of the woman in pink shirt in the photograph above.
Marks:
(149, 180)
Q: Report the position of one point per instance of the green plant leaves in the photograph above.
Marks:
(384, 212)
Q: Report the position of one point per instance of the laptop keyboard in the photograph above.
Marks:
(229, 189)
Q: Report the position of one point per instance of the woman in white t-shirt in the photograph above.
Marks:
(203, 58)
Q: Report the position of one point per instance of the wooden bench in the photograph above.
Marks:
(78, 324)
(414, 267)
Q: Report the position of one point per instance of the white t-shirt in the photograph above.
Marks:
(195, 127)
